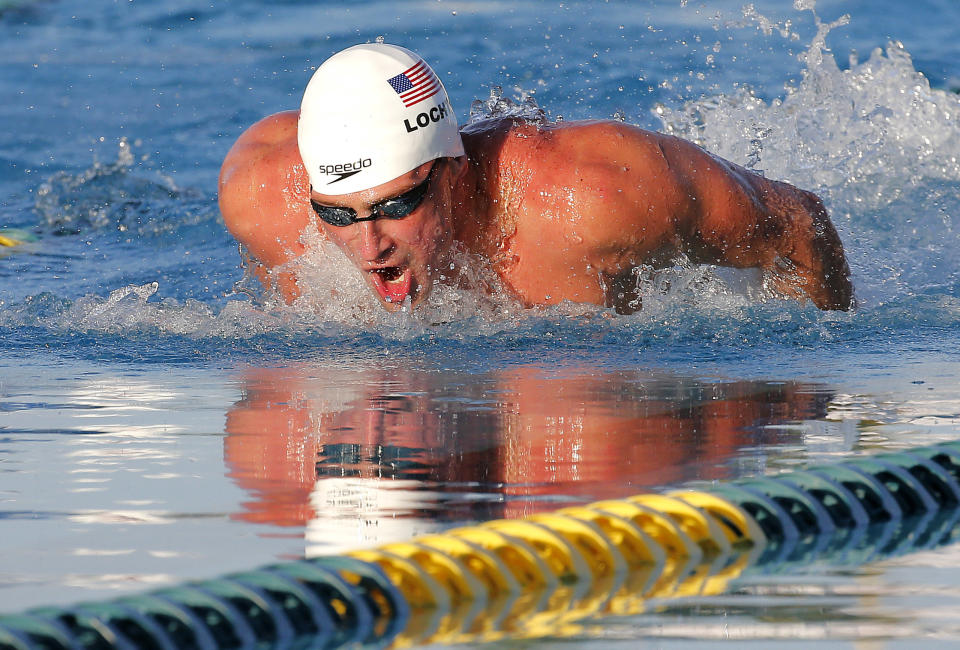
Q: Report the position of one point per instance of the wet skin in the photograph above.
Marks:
(397, 256)
(562, 211)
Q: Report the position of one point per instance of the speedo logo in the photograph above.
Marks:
(345, 170)
(427, 118)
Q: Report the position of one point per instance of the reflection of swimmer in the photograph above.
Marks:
(562, 211)
(292, 428)
(400, 450)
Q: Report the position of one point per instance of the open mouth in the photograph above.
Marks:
(393, 283)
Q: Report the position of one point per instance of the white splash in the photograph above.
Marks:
(874, 140)
(129, 309)
(334, 290)
(837, 127)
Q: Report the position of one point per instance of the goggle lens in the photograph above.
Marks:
(397, 207)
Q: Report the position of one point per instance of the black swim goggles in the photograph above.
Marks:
(395, 208)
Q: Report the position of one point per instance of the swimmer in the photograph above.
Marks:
(562, 211)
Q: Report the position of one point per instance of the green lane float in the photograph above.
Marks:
(14, 237)
(541, 575)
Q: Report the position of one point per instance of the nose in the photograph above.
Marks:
(373, 244)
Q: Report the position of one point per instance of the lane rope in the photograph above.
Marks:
(525, 578)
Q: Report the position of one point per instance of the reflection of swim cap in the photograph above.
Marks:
(353, 513)
(372, 113)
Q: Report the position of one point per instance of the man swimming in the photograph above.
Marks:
(562, 211)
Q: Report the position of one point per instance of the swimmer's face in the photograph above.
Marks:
(399, 256)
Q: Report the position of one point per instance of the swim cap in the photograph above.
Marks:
(372, 113)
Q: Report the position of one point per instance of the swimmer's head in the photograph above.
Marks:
(370, 114)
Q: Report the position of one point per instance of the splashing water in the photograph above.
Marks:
(333, 290)
(838, 127)
(498, 106)
(109, 196)
(875, 140)
(128, 310)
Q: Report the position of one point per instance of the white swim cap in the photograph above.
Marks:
(372, 113)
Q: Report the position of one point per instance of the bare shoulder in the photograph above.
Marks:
(271, 129)
(603, 184)
(593, 157)
(263, 189)
(271, 136)
(612, 169)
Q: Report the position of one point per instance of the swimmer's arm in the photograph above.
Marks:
(282, 282)
(743, 220)
(632, 197)
(260, 187)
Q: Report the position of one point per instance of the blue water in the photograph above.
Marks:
(161, 418)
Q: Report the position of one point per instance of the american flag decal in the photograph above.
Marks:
(415, 84)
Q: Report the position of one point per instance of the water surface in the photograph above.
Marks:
(159, 423)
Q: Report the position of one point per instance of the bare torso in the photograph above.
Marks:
(565, 212)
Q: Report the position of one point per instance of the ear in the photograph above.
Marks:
(458, 167)
(454, 172)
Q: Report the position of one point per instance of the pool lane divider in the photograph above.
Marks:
(542, 575)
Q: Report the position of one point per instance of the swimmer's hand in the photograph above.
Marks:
(815, 257)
